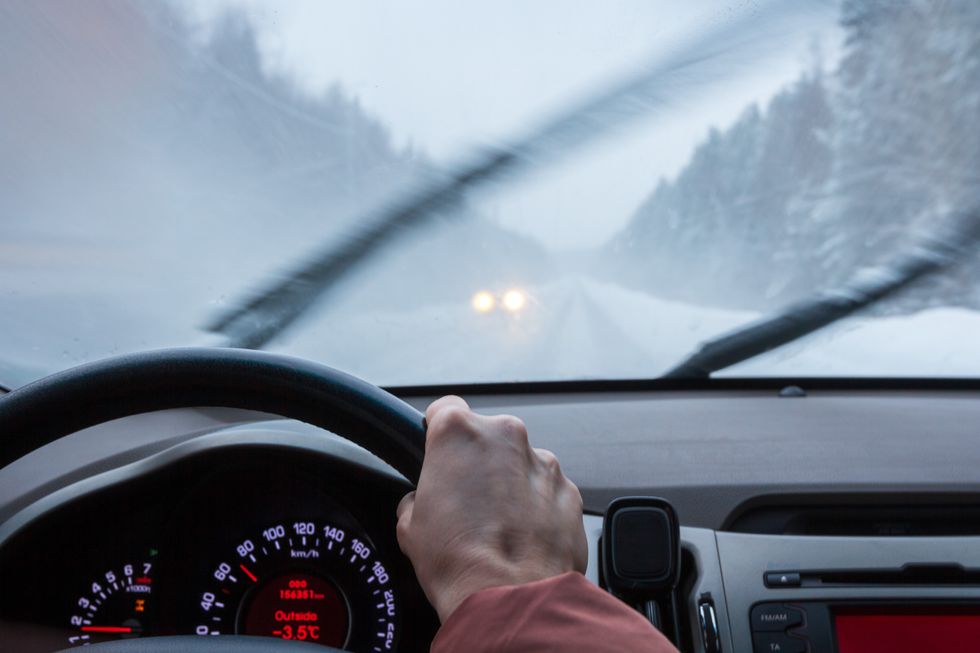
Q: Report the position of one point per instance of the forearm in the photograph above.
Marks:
(563, 614)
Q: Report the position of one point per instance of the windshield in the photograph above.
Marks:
(626, 180)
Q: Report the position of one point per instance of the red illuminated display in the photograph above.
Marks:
(300, 607)
(908, 630)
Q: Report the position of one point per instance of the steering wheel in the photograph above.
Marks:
(60, 404)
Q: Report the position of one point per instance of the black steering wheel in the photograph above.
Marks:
(55, 406)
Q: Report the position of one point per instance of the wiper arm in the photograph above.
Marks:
(257, 320)
(932, 254)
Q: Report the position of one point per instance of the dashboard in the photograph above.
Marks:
(807, 520)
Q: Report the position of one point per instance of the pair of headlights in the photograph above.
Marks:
(512, 300)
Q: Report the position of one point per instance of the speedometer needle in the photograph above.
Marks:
(248, 573)
(107, 629)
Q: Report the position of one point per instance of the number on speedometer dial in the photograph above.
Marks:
(303, 580)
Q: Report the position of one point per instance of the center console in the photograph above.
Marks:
(791, 594)
(756, 593)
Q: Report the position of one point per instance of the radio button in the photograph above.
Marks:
(781, 579)
(777, 643)
(773, 617)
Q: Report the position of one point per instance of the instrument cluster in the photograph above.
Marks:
(243, 540)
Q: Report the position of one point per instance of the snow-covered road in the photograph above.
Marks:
(581, 328)
(574, 328)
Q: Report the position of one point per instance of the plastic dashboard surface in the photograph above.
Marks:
(711, 452)
(246, 535)
(714, 450)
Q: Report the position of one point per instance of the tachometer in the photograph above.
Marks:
(117, 604)
(304, 580)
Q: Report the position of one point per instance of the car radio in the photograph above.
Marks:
(863, 627)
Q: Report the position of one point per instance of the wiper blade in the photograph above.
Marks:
(934, 253)
(259, 319)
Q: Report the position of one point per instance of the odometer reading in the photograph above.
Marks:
(306, 581)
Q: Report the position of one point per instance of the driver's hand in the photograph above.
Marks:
(489, 510)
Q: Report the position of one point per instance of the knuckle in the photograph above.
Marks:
(443, 403)
(406, 501)
(575, 495)
(453, 420)
(512, 428)
(550, 460)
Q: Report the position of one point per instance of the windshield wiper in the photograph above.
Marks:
(255, 321)
(936, 252)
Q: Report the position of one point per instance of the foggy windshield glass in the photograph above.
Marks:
(160, 161)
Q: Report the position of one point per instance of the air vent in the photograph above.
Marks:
(908, 575)
(865, 520)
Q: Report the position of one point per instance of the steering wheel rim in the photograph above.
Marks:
(131, 384)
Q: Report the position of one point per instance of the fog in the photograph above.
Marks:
(160, 163)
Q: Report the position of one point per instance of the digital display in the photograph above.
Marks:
(298, 606)
(907, 629)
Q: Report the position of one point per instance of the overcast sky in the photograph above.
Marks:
(448, 76)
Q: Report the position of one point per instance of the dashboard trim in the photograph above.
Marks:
(285, 433)
(711, 384)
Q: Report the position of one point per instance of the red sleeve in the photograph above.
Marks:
(564, 614)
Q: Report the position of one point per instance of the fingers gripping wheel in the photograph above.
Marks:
(43, 411)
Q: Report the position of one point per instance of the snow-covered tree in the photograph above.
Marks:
(839, 171)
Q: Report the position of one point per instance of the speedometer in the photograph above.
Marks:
(305, 580)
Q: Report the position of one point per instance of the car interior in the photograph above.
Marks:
(233, 277)
(201, 518)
